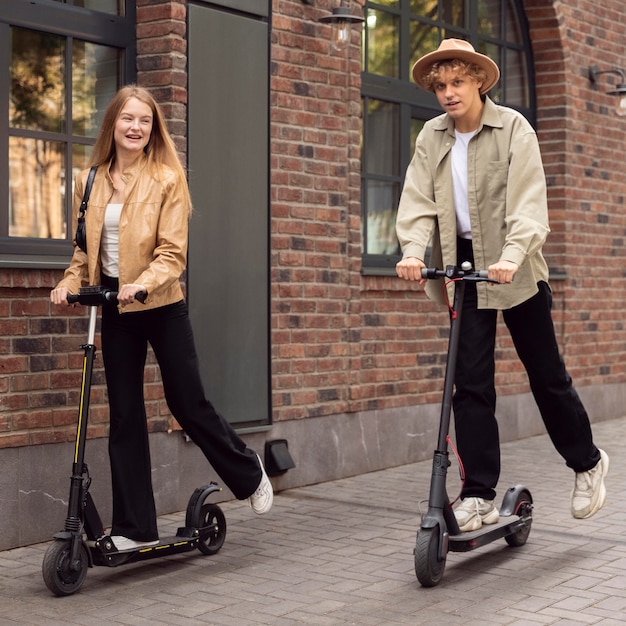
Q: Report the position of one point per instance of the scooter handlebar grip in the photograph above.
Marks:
(429, 272)
(111, 296)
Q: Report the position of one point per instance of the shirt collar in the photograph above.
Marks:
(490, 117)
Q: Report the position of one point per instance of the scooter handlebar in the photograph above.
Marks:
(452, 272)
(97, 295)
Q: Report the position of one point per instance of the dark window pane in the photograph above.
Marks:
(490, 18)
(416, 127)
(382, 43)
(80, 159)
(106, 6)
(36, 188)
(423, 39)
(513, 26)
(495, 52)
(425, 8)
(95, 76)
(454, 12)
(382, 201)
(383, 128)
(37, 98)
(517, 93)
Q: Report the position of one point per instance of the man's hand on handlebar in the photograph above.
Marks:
(410, 268)
(503, 271)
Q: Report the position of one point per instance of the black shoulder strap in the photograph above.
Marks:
(92, 175)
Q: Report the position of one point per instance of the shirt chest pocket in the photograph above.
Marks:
(497, 179)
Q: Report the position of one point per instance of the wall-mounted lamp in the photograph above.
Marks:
(340, 20)
(620, 88)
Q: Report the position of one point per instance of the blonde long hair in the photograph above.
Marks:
(160, 149)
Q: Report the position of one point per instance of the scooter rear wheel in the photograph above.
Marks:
(212, 527)
(428, 568)
(59, 576)
(523, 508)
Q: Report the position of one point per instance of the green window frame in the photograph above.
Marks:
(396, 34)
(65, 60)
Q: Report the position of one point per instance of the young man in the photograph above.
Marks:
(475, 190)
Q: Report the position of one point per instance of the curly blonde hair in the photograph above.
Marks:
(433, 74)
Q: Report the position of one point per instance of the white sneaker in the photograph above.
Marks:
(124, 544)
(589, 492)
(261, 500)
(472, 513)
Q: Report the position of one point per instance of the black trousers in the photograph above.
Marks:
(125, 339)
(532, 330)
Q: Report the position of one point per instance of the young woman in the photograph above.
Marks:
(136, 233)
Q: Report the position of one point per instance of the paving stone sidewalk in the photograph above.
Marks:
(340, 553)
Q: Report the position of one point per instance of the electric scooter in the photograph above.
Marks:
(84, 543)
(439, 531)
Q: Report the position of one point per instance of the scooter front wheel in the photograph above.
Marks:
(212, 528)
(60, 576)
(428, 567)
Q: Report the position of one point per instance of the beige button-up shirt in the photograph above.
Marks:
(507, 203)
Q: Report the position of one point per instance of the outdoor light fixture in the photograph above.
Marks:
(620, 88)
(340, 20)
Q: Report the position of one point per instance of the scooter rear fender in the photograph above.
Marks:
(197, 500)
(511, 499)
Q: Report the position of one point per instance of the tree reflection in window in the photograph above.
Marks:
(49, 135)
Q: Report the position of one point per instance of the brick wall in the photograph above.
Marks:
(372, 343)
(342, 342)
(582, 139)
(315, 215)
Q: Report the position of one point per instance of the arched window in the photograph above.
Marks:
(396, 34)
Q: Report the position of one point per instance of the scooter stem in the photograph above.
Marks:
(439, 508)
(73, 522)
(453, 349)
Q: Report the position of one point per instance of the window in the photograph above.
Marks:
(65, 63)
(397, 33)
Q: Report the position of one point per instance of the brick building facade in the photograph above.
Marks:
(357, 361)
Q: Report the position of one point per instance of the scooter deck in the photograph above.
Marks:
(104, 553)
(507, 525)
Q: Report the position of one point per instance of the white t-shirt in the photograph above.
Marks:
(459, 183)
(109, 252)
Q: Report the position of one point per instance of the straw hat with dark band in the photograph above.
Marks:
(456, 49)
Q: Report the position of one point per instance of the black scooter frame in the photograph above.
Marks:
(83, 542)
(439, 530)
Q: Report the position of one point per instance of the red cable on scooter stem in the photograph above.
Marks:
(461, 468)
(445, 296)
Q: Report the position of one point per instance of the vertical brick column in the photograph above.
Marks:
(162, 61)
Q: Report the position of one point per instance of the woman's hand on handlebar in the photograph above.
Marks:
(503, 271)
(126, 294)
(59, 295)
(410, 268)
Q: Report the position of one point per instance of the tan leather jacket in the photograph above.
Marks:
(507, 202)
(152, 236)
